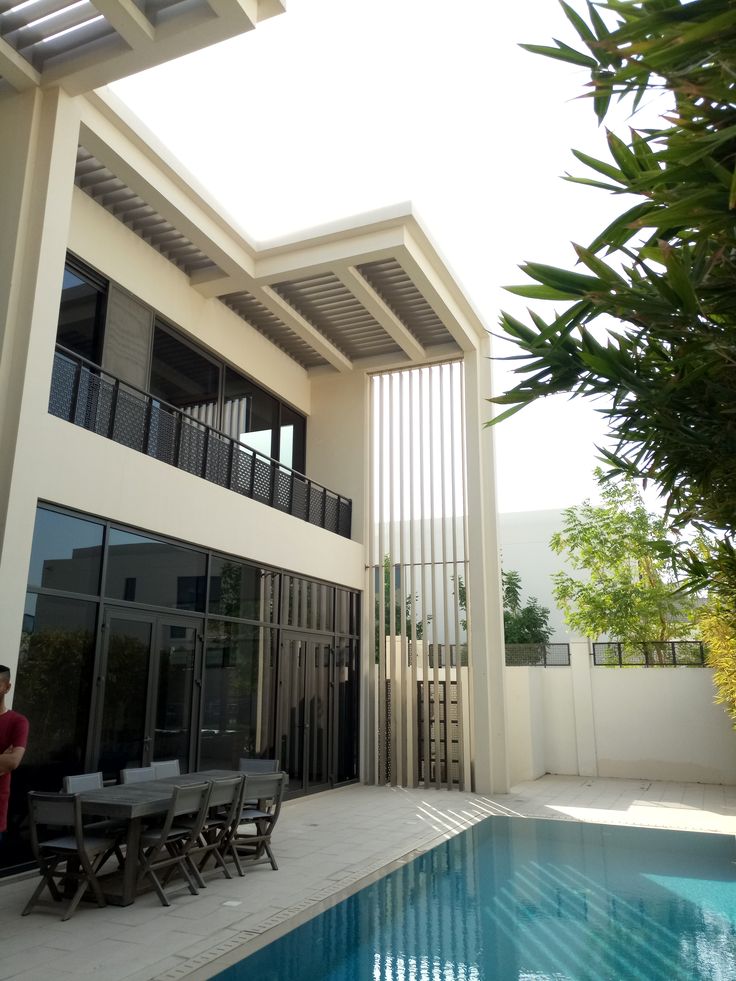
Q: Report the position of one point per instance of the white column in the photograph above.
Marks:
(487, 659)
(582, 693)
(39, 135)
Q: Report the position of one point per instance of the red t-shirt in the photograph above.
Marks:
(13, 732)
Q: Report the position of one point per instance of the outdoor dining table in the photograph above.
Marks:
(132, 803)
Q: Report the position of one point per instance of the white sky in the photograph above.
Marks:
(342, 106)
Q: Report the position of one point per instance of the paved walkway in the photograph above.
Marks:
(325, 845)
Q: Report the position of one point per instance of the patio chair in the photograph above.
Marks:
(75, 856)
(268, 790)
(166, 768)
(137, 774)
(77, 783)
(226, 802)
(166, 848)
(251, 764)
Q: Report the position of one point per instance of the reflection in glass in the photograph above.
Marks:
(292, 442)
(126, 693)
(238, 686)
(250, 414)
(185, 378)
(156, 573)
(318, 701)
(53, 687)
(241, 590)
(309, 604)
(66, 553)
(81, 315)
(54, 679)
(174, 694)
(347, 707)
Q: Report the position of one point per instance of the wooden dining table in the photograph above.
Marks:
(131, 804)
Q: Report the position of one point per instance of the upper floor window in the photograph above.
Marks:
(104, 324)
(82, 312)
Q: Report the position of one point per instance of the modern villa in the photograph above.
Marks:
(188, 432)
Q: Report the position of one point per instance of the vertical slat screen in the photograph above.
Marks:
(418, 574)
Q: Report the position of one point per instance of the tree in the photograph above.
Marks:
(526, 623)
(522, 624)
(628, 590)
(665, 269)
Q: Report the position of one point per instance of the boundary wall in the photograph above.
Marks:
(631, 722)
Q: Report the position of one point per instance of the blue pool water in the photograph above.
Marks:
(522, 900)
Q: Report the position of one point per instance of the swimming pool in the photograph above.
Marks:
(528, 900)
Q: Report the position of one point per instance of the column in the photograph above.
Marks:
(487, 656)
(39, 133)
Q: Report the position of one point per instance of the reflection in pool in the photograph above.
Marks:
(525, 900)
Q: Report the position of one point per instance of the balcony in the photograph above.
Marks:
(87, 396)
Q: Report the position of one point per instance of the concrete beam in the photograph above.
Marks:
(308, 333)
(439, 297)
(362, 290)
(129, 21)
(14, 67)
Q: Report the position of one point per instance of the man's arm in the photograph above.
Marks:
(11, 758)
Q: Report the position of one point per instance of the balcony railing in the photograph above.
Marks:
(650, 654)
(91, 398)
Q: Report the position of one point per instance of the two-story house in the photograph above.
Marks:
(185, 436)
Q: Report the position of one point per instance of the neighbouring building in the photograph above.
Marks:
(189, 434)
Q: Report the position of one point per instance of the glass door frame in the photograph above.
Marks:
(110, 612)
(311, 640)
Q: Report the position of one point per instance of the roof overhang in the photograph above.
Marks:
(365, 293)
(83, 44)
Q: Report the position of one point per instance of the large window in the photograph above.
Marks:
(66, 553)
(136, 648)
(82, 312)
(182, 376)
(155, 573)
(180, 373)
(238, 687)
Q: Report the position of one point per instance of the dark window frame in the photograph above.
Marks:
(160, 321)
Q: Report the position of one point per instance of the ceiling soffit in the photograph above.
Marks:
(318, 320)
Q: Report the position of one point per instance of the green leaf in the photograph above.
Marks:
(539, 293)
(732, 191)
(680, 282)
(565, 53)
(578, 23)
(608, 170)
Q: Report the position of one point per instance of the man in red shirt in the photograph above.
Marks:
(13, 742)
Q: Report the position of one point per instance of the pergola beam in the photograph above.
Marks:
(129, 21)
(364, 293)
(15, 69)
(302, 328)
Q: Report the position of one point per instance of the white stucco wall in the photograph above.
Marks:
(662, 724)
(639, 723)
(109, 246)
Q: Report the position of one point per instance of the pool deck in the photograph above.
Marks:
(326, 845)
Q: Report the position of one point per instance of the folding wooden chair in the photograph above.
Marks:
(226, 802)
(167, 847)
(268, 790)
(74, 857)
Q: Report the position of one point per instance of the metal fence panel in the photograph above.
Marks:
(538, 655)
(649, 654)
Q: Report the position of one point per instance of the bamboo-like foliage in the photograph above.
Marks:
(665, 269)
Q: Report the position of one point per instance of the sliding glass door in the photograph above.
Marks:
(147, 690)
